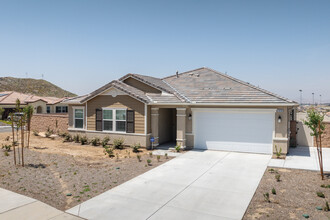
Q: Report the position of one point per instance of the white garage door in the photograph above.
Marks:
(243, 130)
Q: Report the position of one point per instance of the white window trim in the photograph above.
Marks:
(114, 120)
(74, 117)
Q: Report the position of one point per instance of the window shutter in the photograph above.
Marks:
(98, 119)
(130, 121)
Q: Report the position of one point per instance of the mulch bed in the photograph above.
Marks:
(295, 196)
(64, 175)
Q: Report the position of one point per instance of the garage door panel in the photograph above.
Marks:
(246, 132)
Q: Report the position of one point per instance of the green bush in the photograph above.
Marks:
(177, 148)
(320, 194)
(105, 141)
(95, 141)
(266, 197)
(6, 147)
(278, 177)
(136, 148)
(158, 158)
(118, 143)
(149, 162)
(67, 137)
(83, 140)
(325, 186)
(278, 153)
(326, 207)
(273, 191)
(76, 138)
(166, 156)
(138, 156)
(109, 150)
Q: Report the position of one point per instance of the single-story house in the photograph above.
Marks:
(41, 104)
(201, 108)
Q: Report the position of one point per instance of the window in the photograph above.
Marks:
(48, 109)
(78, 118)
(114, 120)
(61, 109)
(107, 120)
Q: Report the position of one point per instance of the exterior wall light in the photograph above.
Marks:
(279, 119)
(189, 117)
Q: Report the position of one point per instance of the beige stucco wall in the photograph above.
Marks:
(39, 103)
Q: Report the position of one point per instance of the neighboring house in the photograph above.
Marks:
(40, 104)
(202, 108)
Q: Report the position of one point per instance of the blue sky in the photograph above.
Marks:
(280, 45)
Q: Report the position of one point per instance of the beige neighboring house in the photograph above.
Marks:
(41, 105)
(202, 109)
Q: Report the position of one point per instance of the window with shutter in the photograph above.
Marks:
(130, 121)
(98, 119)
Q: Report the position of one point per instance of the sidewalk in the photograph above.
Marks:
(14, 206)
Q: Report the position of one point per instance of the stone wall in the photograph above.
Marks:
(325, 136)
(55, 122)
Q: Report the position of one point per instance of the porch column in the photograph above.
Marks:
(155, 124)
(181, 127)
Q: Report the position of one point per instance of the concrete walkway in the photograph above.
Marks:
(195, 185)
(14, 206)
(303, 158)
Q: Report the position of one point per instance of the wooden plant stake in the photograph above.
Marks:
(13, 132)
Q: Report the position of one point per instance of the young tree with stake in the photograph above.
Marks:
(315, 123)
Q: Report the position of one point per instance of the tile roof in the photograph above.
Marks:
(10, 97)
(203, 85)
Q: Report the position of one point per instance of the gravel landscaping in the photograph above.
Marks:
(66, 174)
(296, 195)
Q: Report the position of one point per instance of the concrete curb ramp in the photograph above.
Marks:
(14, 206)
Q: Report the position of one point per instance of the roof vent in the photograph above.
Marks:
(226, 88)
(177, 74)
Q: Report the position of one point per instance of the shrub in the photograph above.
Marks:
(67, 137)
(6, 147)
(150, 154)
(118, 143)
(278, 153)
(138, 156)
(158, 158)
(271, 170)
(325, 186)
(35, 133)
(326, 207)
(177, 148)
(273, 191)
(278, 177)
(105, 141)
(166, 156)
(6, 153)
(76, 138)
(95, 141)
(117, 157)
(109, 150)
(48, 134)
(149, 162)
(266, 197)
(136, 148)
(83, 140)
(320, 194)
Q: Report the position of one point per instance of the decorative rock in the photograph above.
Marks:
(69, 194)
(117, 168)
(319, 208)
(305, 215)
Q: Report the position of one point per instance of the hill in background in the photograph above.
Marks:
(37, 87)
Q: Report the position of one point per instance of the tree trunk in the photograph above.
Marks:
(13, 131)
(22, 141)
(320, 152)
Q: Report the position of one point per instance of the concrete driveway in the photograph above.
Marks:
(195, 185)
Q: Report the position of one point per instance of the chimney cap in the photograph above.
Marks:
(177, 74)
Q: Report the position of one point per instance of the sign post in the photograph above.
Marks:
(152, 140)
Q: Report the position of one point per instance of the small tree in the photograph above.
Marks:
(315, 123)
(28, 111)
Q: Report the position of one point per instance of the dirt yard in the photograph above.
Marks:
(296, 195)
(66, 174)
